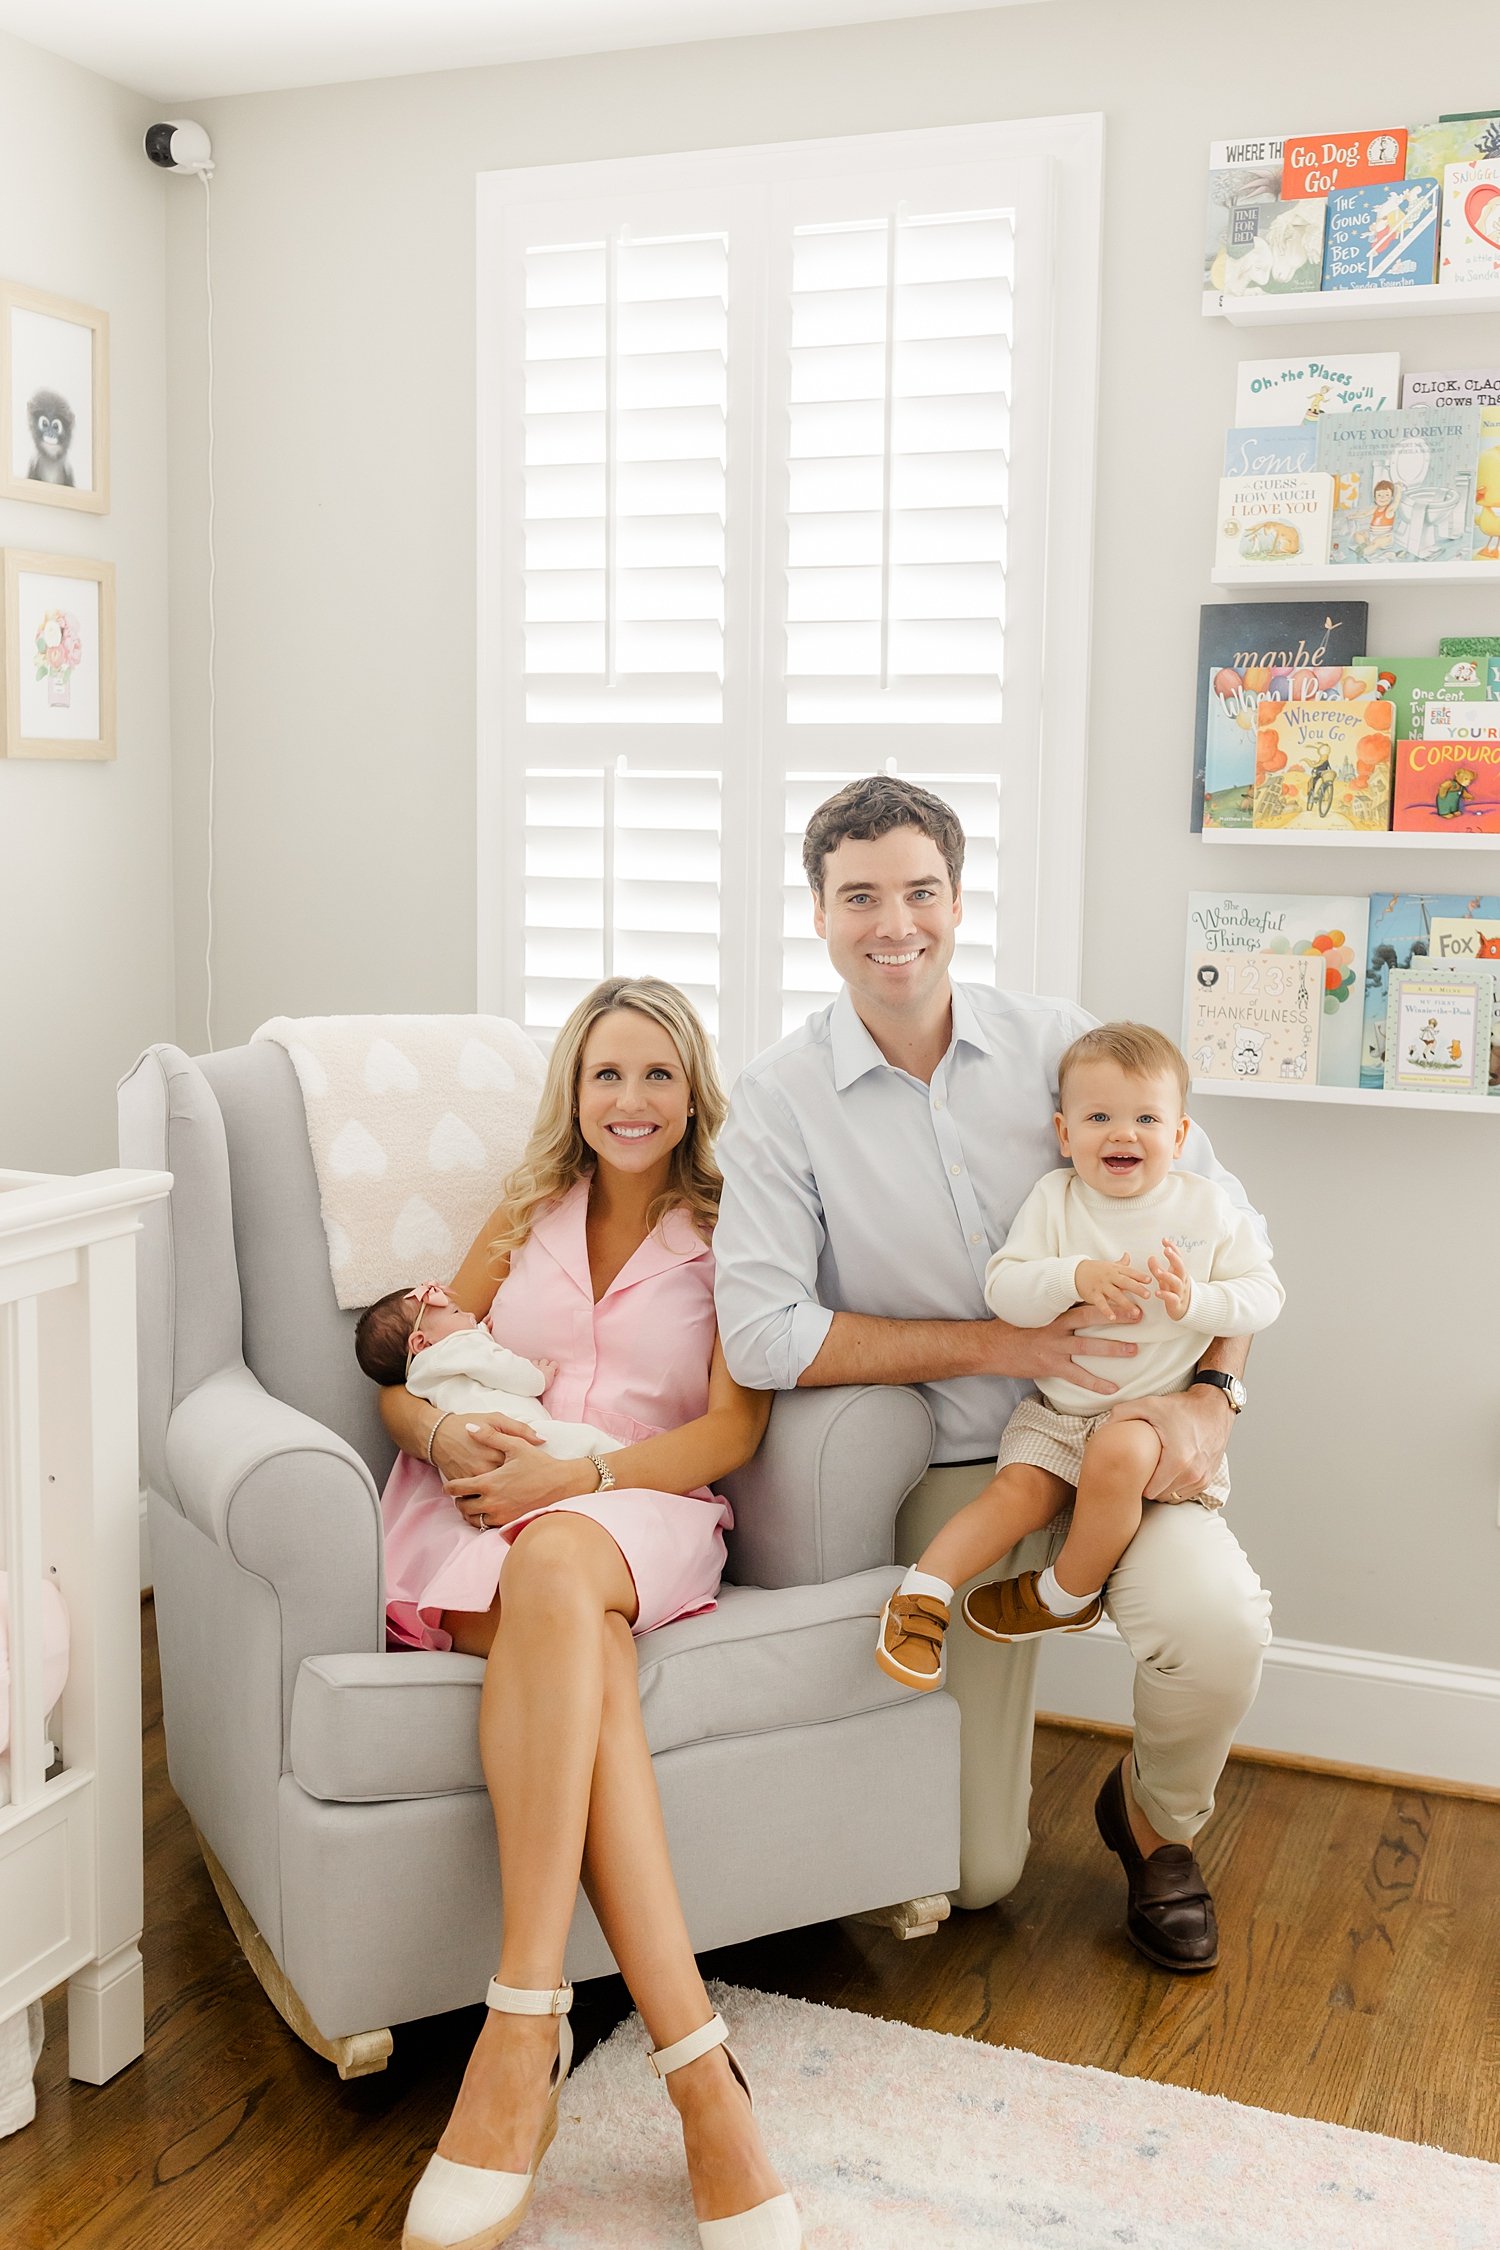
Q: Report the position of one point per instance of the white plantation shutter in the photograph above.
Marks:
(622, 876)
(785, 476)
(899, 434)
(626, 389)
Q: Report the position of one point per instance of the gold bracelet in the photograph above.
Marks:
(432, 1433)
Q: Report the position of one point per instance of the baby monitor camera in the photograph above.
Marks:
(178, 145)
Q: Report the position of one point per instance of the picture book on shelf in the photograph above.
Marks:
(1446, 720)
(1487, 486)
(1470, 245)
(1233, 708)
(1403, 484)
(1254, 1016)
(1272, 250)
(1439, 1029)
(1322, 163)
(1402, 930)
(1413, 682)
(1452, 386)
(1430, 149)
(1382, 237)
(1324, 766)
(1464, 938)
(1243, 178)
(1335, 929)
(1271, 524)
(1238, 638)
(1447, 788)
(1292, 451)
(1275, 392)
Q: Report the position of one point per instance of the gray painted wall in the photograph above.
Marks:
(86, 963)
(1367, 1470)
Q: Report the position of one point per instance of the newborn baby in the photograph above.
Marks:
(421, 1338)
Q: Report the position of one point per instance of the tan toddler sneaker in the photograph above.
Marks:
(1011, 1609)
(910, 1646)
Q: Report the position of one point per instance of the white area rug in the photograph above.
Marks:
(895, 2139)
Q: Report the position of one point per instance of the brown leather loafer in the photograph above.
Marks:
(1170, 1914)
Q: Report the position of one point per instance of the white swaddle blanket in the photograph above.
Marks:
(469, 1373)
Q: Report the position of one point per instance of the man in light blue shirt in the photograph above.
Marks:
(873, 1162)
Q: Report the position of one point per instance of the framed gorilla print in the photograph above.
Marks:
(54, 400)
(57, 680)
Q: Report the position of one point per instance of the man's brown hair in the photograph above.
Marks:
(872, 807)
(1139, 1049)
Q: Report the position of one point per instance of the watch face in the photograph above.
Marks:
(1237, 1390)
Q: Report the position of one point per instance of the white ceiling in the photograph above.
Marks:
(182, 50)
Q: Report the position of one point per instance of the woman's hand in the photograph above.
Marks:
(467, 1445)
(525, 1480)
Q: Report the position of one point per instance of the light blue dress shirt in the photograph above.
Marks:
(850, 1186)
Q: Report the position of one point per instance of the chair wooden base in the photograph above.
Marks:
(357, 2053)
(914, 1917)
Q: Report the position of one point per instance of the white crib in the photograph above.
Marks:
(70, 1847)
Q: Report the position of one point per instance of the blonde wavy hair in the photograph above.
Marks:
(557, 1155)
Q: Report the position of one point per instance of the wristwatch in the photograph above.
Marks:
(1233, 1389)
(606, 1473)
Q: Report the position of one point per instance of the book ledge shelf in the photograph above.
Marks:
(1266, 575)
(1346, 839)
(1374, 1097)
(1297, 308)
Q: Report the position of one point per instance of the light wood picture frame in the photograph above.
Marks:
(57, 657)
(54, 400)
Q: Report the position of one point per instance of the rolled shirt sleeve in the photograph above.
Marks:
(767, 1244)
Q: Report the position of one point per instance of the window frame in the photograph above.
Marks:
(1052, 170)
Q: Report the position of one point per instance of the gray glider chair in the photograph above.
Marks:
(336, 1788)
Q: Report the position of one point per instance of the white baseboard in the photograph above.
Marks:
(1352, 1706)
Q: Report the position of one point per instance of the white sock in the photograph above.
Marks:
(922, 1582)
(1057, 1599)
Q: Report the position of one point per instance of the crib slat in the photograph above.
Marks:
(21, 1500)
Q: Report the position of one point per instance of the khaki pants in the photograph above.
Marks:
(1192, 1613)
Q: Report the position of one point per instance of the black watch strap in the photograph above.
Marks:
(1230, 1385)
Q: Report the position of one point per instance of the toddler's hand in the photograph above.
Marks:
(1174, 1284)
(1113, 1286)
(547, 1369)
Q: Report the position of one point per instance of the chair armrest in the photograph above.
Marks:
(288, 1501)
(819, 1499)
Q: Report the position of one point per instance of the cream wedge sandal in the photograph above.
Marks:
(465, 2206)
(770, 2226)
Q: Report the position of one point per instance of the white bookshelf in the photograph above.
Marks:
(1345, 839)
(1332, 575)
(1434, 298)
(1478, 1105)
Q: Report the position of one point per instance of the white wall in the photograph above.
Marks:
(86, 962)
(1367, 1470)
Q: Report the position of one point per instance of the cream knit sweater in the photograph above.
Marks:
(1235, 1290)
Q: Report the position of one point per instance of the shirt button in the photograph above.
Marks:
(955, 1169)
(976, 1238)
(938, 1103)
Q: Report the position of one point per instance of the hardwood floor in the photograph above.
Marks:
(1359, 1982)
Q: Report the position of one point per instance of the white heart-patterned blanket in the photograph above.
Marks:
(414, 1122)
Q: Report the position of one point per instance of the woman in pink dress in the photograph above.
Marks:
(599, 1259)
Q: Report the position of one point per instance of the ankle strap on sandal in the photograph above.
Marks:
(513, 2000)
(714, 2033)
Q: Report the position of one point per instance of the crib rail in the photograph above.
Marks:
(70, 1846)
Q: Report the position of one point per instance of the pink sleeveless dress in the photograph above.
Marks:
(635, 1364)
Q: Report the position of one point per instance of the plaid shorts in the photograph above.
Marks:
(1037, 1434)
